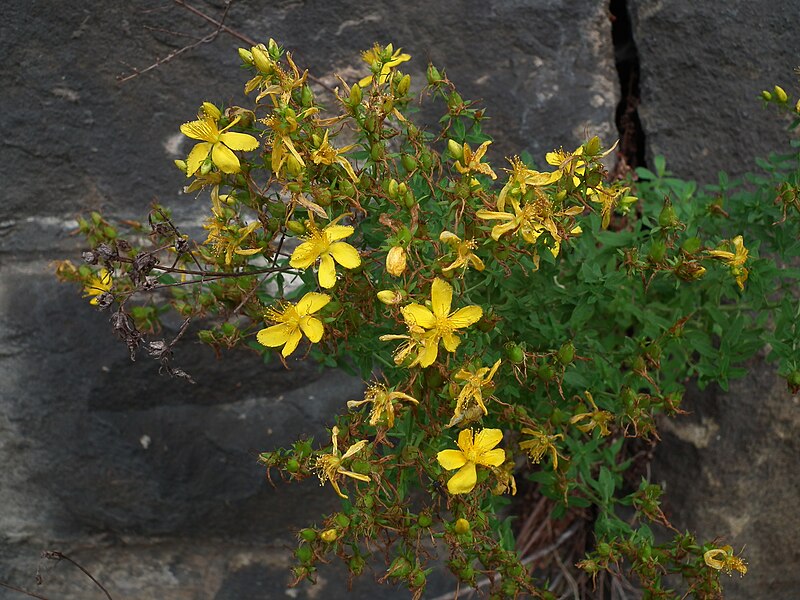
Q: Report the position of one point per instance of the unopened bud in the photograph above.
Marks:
(181, 164)
(462, 526)
(780, 94)
(296, 227)
(355, 96)
(593, 146)
(390, 297)
(396, 261)
(246, 56)
(404, 85)
(329, 535)
(205, 168)
(766, 95)
(433, 74)
(393, 187)
(261, 59)
(455, 149)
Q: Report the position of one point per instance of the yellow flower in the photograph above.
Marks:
(472, 392)
(477, 450)
(722, 559)
(539, 444)
(97, 285)
(471, 162)
(228, 240)
(382, 402)
(396, 261)
(387, 58)
(531, 220)
(439, 323)
(219, 143)
(568, 163)
(521, 177)
(594, 418)
(328, 155)
(735, 260)
(323, 244)
(464, 249)
(294, 321)
(329, 466)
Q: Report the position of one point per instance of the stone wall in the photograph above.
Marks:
(152, 483)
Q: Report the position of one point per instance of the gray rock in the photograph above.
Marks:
(703, 67)
(730, 470)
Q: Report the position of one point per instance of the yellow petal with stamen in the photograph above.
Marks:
(451, 459)
(311, 303)
(291, 344)
(464, 317)
(225, 159)
(345, 255)
(327, 271)
(239, 141)
(416, 314)
(464, 480)
(312, 327)
(441, 297)
(277, 335)
(196, 157)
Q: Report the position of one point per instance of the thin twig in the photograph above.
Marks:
(205, 40)
(55, 555)
(525, 562)
(246, 39)
(21, 591)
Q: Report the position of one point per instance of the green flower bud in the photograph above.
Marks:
(593, 146)
(409, 162)
(246, 56)
(404, 85)
(307, 96)
(780, 94)
(455, 149)
(342, 520)
(667, 217)
(433, 75)
(355, 96)
(308, 534)
(304, 553)
(766, 95)
(658, 250)
(566, 353)
(296, 227)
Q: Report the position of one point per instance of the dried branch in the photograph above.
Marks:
(57, 556)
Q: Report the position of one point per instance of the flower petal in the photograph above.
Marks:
(196, 157)
(277, 335)
(486, 439)
(327, 271)
(311, 303)
(464, 480)
(312, 327)
(337, 232)
(291, 344)
(354, 448)
(416, 314)
(465, 439)
(441, 297)
(429, 352)
(345, 255)
(451, 341)
(493, 458)
(304, 255)
(451, 459)
(239, 141)
(464, 317)
(225, 159)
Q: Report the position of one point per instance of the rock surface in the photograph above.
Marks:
(151, 483)
(729, 468)
(703, 66)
